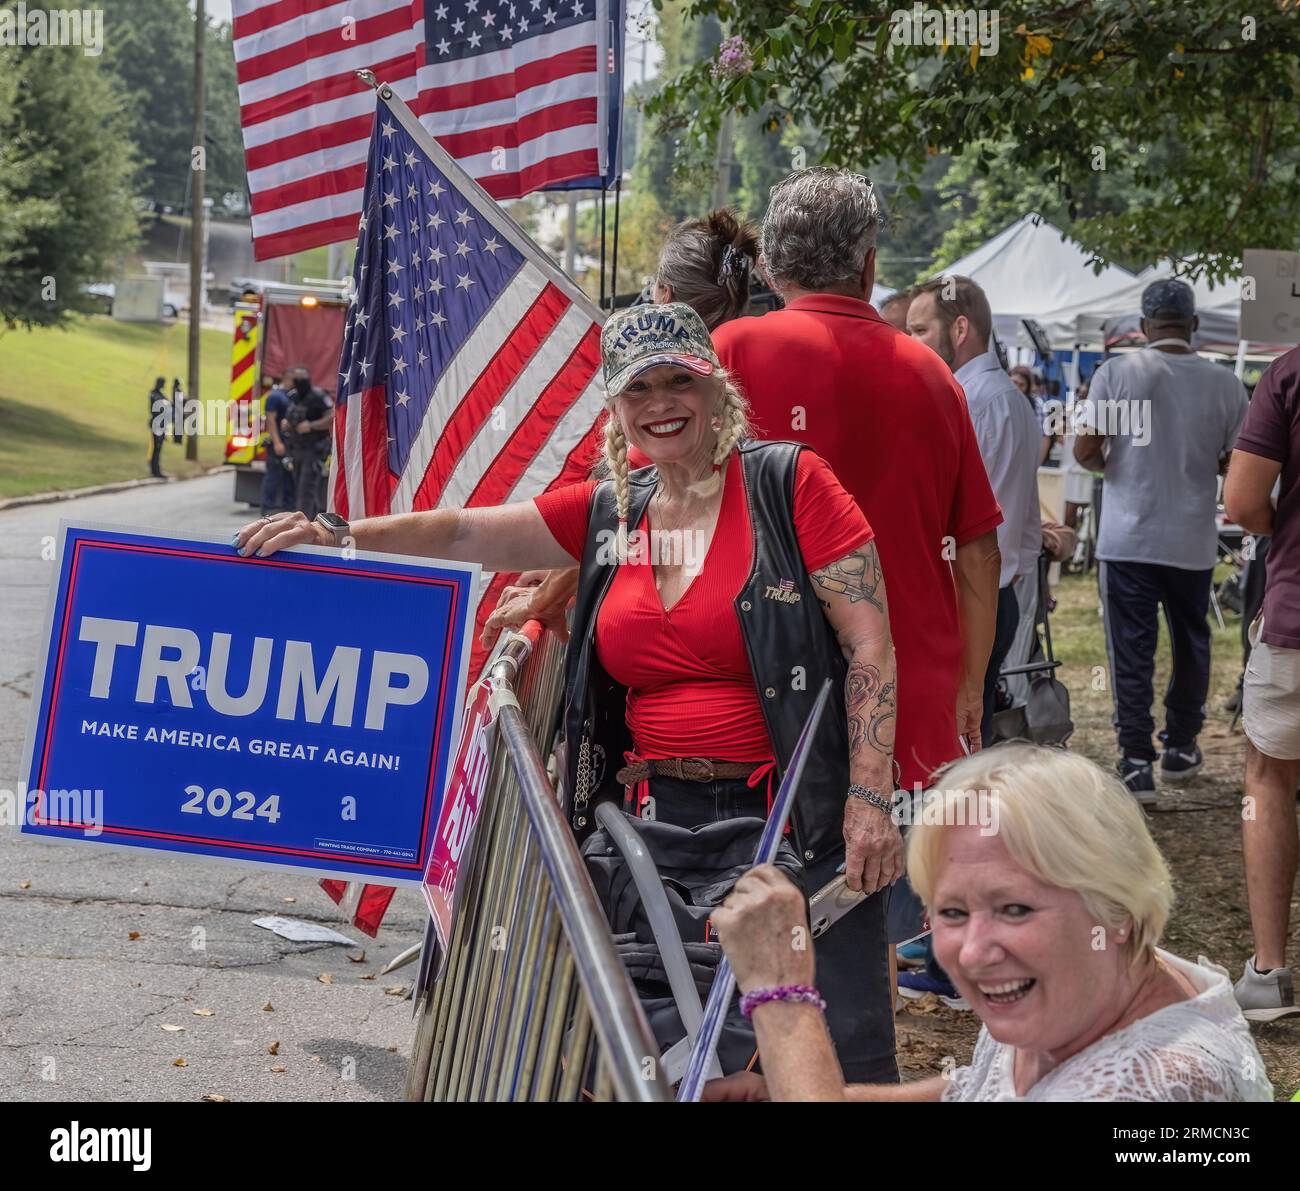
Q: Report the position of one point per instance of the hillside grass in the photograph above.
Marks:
(74, 405)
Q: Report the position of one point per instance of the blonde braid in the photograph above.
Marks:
(735, 424)
(616, 458)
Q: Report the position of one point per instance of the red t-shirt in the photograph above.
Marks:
(884, 411)
(690, 687)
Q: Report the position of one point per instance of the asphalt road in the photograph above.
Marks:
(101, 947)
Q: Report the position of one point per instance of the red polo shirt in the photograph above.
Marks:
(884, 411)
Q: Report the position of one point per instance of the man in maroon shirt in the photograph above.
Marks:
(884, 411)
(1262, 495)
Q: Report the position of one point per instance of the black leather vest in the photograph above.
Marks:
(791, 646)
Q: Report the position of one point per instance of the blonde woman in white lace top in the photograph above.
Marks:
(1048, 897)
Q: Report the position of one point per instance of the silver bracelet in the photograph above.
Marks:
(872, 796)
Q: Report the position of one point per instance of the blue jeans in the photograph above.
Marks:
(852, 957)
(1004, 636)
(1132, 596)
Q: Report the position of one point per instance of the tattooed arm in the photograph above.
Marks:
(852, 593)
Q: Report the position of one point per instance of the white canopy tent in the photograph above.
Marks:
(1116, 315)
(1033, 270)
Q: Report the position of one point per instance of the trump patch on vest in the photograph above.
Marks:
(783, 592)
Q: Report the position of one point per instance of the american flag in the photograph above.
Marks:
(519, 91)
(469, 367)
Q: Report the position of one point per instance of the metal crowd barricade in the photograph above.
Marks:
(533, 1003)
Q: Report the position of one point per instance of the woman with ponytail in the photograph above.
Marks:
(707, 263)
(720, 588)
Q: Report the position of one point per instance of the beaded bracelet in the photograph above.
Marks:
(785, 992)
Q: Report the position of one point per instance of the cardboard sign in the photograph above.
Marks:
(1273, 314)
(298, 710)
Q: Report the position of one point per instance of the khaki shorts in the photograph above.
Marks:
(1270, 705)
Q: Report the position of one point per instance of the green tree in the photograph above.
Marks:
(1195, 103)
(977, 205)
(66, 164)
(149, 49)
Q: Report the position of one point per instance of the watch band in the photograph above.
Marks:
(874, 797)
(338, 528)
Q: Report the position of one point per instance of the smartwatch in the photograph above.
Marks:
(337, 526)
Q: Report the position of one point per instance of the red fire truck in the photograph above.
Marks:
(277, 327)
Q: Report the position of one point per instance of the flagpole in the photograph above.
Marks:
(198, 166)
(603, 192)
(613, 283)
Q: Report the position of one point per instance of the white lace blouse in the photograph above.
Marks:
(1199, 1049)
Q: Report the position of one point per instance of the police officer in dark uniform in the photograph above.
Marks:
(278, 494)
(159, 421)
(308, 424)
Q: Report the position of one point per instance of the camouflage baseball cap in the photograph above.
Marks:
(640, 337)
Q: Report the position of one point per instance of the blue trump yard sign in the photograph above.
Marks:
(298, 710)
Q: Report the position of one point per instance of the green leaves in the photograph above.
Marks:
(66, 165)
(1193, 81)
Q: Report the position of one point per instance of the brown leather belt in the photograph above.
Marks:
(687, 769)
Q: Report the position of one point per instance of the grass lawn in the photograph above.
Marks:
(74, 405)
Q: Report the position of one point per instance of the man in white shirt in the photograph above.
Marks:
(951, 314)
(1159, 424)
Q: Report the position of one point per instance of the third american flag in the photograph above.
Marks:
(469, 367)
(520, 92)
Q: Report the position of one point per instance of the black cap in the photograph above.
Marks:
(1169, 300)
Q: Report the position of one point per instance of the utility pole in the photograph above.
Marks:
(198, 166)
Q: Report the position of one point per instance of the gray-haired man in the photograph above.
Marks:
(886, 414)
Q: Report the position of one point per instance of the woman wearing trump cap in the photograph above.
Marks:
(720, 586)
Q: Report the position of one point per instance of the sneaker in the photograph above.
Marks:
(1139, 778)
(912, 955)
(1262, 997)
(1179, 764)
(914, 985)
